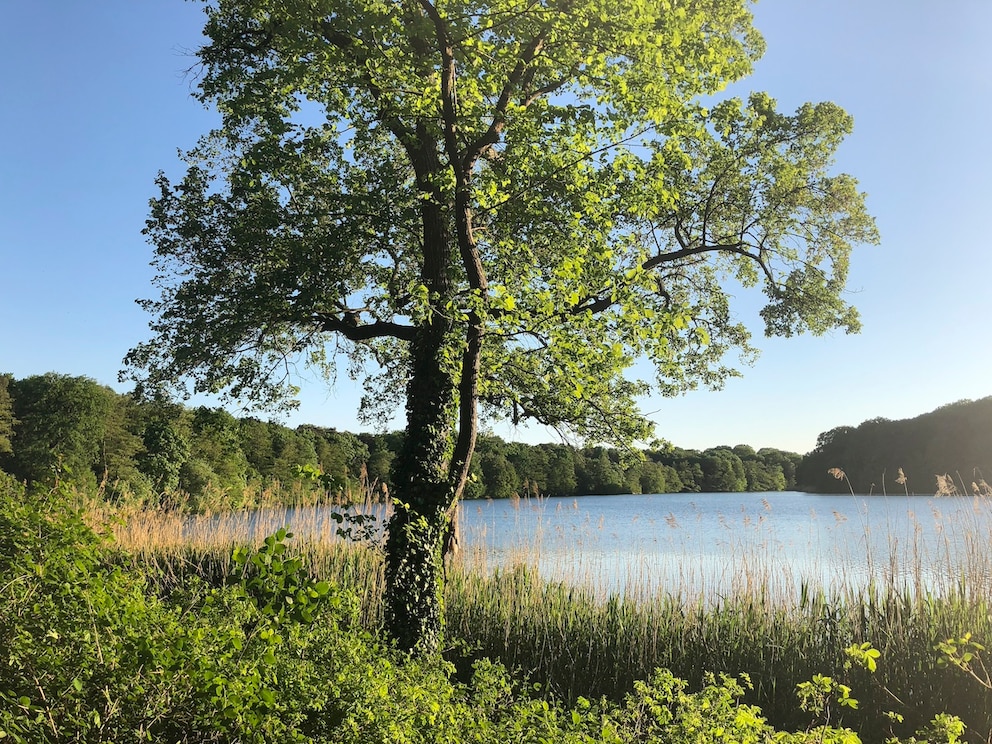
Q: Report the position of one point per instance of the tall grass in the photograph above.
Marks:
(178, 546)
(574, 639)
(577, 644)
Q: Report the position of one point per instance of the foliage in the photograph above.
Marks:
(206, 459)
(725, 469)
(166, 451)
(91, 653)
(502, 208)
(577, 644)
(621, 276)
(967, 655)
(61, 424)
(882, 456)
(7, 420)
(78, 634)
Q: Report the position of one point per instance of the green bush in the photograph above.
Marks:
(92, 652)
(83, 648)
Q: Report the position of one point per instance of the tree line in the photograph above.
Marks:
(59, 426)
(910, 455)
(512, 468)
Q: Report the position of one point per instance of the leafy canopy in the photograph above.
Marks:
(590, 209)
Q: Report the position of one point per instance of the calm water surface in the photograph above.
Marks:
(710, 545)
(713, 544)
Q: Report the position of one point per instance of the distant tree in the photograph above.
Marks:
(745, 452)
(255, 438)
(7, 420)
(121, 444)
(955, 439)
(61, 427)
(828, 438)
(654, 477)
(763, 477)
(599, 473)
(562, 479)
(759, 474)
(531, 465)
(500, 479)
(340, 454)
(296, 448)
(166, 450)
(382, 451)
(504, 206)
(216, 460)
(723, 471)
(686, 465)
(787, 462)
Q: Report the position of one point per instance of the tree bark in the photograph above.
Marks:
(423, 490)
(423, 495)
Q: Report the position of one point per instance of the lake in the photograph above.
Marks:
(715, 544)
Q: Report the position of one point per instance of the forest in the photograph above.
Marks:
(945, 451)
(71, 427)
(56, 426)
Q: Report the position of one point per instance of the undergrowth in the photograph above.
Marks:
(97, 647)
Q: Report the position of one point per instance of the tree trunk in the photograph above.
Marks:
(431, 468)
(422, 497)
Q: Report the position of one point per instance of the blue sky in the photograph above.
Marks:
(96, 101)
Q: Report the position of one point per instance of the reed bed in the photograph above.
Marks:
(576, 639)
(180, 547)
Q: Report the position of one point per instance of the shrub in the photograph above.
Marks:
(90, 652)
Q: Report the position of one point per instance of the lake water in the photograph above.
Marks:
(715, 544)
(711, 545)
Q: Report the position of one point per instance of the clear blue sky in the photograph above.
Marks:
(95, 102)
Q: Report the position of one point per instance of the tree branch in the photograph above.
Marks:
(352, 329)
(348, 44)
(491, 136)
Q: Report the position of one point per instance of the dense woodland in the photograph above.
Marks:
(59, 426)
(56, 425)
(955, 440)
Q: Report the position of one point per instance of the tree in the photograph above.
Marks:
(879, 455)
(723, 471)
(216, 462)
(119, 446)
(166, 451)
(653, 477)
(760, 473)
(598, 473)
(382, 451)
(500, 479)
(62, 427)
(561, 470)
(7, 420)
(787, 462)
(500, 207)
(341, 455)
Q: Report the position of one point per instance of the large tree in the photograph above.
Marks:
(496, 206)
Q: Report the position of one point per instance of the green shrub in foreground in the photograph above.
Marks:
(83, 649)
(89, 653)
